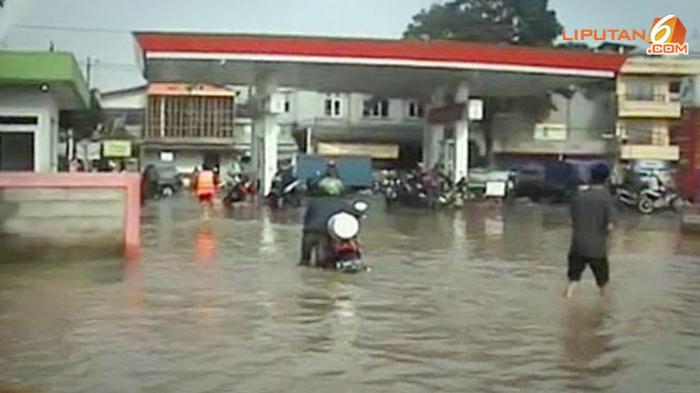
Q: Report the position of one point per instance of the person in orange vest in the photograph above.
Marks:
(205, 187)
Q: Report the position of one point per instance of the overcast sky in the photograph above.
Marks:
(368, 18)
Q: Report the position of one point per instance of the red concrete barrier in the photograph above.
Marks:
(129, 182)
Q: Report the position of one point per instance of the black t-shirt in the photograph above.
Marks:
(592, 212)
(319, 210)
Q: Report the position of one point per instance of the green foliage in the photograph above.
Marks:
(524, 22)
(574, 45)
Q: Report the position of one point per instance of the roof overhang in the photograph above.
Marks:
(678, 66)
(59, 70)
(388, 67)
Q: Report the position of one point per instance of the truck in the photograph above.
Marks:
(355, 171)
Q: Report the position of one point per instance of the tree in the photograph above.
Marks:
(574, 45)
(524, 22)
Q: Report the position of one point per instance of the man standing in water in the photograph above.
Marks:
(592, 215)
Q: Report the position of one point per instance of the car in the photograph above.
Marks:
(166, 178)
(169, 181)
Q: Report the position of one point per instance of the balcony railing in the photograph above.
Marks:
(648, 106)
(646, 97)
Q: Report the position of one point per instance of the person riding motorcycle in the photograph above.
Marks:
(283, 177)
(329, 182)
(284, 188)
(320, 208)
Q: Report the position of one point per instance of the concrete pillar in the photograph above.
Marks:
(461, 146)
(433, 134)
(265, 132)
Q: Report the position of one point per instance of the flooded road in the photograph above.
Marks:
(457, 301)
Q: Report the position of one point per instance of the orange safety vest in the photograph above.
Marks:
(205, 183)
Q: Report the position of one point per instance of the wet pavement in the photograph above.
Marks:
(466, 300)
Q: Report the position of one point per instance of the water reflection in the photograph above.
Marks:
(464, 300)
(205, 245)
(584, 337)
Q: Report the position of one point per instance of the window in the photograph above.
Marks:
(16, 151)
(674, 89)
(376, 108)
(167, 156)
(287, 103)
(19, 120)
(332, 105)
(639, 132)
(415, 110)
(640, 91)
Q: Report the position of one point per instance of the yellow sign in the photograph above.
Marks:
(376, 151)
(116, 149)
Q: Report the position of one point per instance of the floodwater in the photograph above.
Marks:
(465, 301)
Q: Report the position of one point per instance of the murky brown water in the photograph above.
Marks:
(466, 301)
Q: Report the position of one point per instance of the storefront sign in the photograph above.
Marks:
(116, 149)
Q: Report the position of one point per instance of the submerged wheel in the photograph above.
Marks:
(645, 206)
(677, 204)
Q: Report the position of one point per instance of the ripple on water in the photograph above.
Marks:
(457, 301)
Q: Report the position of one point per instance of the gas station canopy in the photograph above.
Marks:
(390, 68)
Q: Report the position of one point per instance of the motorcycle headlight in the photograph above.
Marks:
(343, 226)
(360, 206)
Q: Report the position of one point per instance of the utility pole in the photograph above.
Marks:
(88, 71)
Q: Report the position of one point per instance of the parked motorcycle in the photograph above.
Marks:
(412, 189)
(339, 249)
(628, 195)
(651, 200)
(389, 186)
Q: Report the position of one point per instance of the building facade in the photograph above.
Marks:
(649, 105)
(577, 123)
(353, 123)
(34, 88)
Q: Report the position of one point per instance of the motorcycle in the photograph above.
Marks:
(237, 190)
(280, 196)
(340, 250)
(628, 196)
(453, 195)
(661, 198)
(411, 189)
(389, 187)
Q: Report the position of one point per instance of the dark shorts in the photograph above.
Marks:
(308, 242)
(599, 266)
(207, 197)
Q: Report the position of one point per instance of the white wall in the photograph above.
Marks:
(186, 160)
(129, 100)
(307, 106)
(32, 102)
(590, 118)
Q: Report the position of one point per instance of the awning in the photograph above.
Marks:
(392, 68)
(59, 71)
